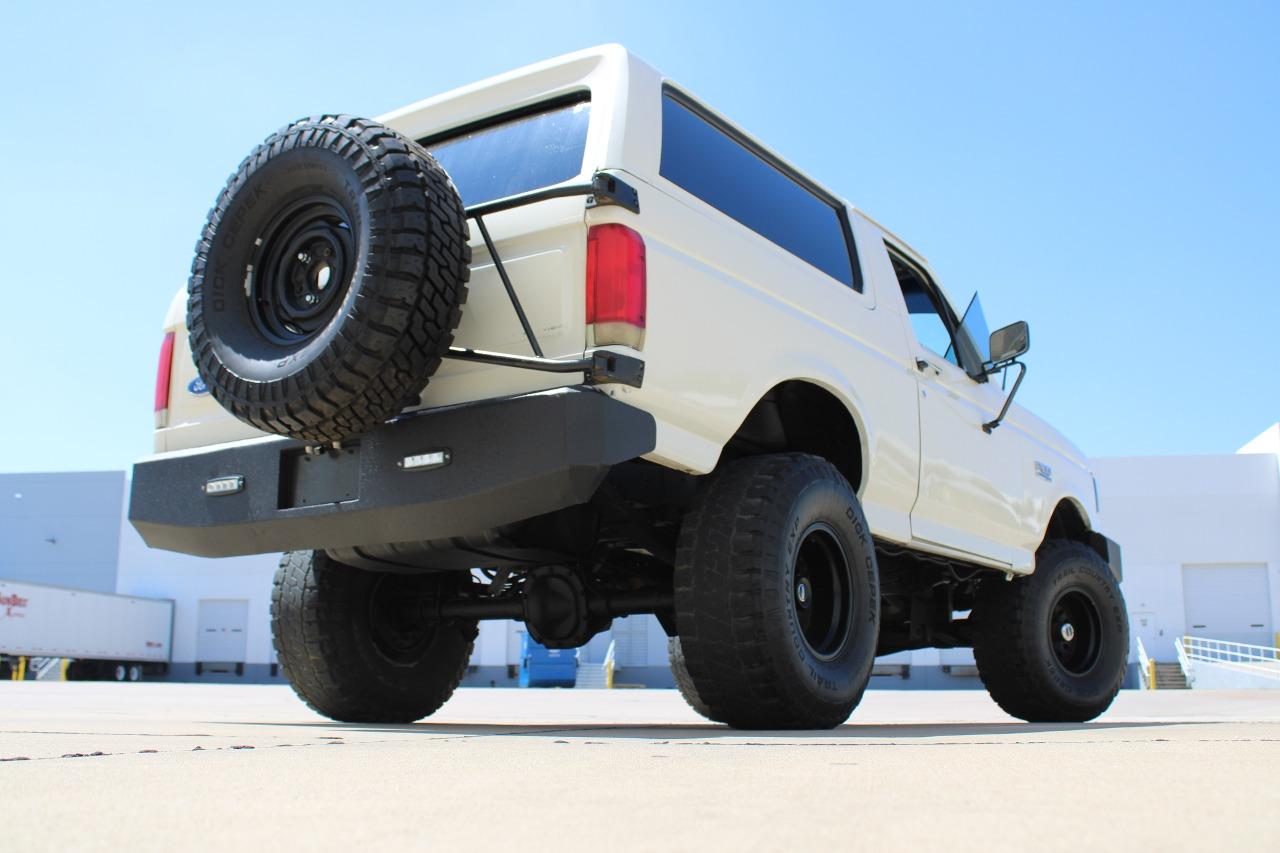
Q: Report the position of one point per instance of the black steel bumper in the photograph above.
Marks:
(503, 461)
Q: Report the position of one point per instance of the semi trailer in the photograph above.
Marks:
(99, 635)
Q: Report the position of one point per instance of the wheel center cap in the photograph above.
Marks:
(1068, 631)
(802, 592)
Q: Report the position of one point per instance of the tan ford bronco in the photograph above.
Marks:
(566, 345)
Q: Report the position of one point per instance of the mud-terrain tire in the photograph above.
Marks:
(776, 595)
(680, 672)
(328, 279)
(350, 655)
(1052, 647)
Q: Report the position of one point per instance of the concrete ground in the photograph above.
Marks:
(165, 766)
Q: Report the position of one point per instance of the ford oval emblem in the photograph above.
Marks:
(197, 387)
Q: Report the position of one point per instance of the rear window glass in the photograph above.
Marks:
(516, 155)
(737, 181)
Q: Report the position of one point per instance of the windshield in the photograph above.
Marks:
(972, 338)
(517, 155)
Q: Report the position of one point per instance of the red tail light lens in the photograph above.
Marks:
(163, 370)
(616, 297)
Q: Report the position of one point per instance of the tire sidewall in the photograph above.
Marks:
(839, 681)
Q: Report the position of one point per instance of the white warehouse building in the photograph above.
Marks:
(1200, 537)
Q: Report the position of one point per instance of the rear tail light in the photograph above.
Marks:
(616, 285)
(163, 370)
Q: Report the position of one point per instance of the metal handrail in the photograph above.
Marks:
(1144, 665)
(1260, 660)
(1188, 671)
(610, 663)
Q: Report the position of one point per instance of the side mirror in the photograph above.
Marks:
(1009, 343)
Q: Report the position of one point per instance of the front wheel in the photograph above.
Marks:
(355, 648)
(1052, 647)
(776, 596)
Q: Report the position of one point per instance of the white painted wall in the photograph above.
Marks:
(61, 528)
(1168, 512)
(1268, 441)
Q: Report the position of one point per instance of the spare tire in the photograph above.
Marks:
(328, 280)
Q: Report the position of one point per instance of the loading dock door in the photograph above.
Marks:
(223, 623)
(1228, 603)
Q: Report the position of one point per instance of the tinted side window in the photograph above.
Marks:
(931, 329)
(718, 169)
(516, 155)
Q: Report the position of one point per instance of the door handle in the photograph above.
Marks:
(925, 367)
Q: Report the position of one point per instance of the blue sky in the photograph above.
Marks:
(1108, 172)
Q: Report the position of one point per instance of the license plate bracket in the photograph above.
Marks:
(313, 479)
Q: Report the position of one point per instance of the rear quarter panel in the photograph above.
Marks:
(731, 315)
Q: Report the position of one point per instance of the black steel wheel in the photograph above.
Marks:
(776, 596)
(357, 646)
(396, 626)
(328, 280)
(822, 597)
(301, 270)
(1075, 631)
(1053, 646)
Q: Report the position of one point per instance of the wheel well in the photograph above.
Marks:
(1067, 522)
(798, 415)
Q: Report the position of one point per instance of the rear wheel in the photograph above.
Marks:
(354, 646)
(776, 596)
(1053, 646)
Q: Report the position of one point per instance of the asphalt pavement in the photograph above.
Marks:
(228, 767)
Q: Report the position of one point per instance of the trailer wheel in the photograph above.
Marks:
(1053, 647)
(135, 672)
(328, 280)
(776, 595)
(354, 645)
(121, 672)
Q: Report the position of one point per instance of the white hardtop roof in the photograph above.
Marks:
(621, 57)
